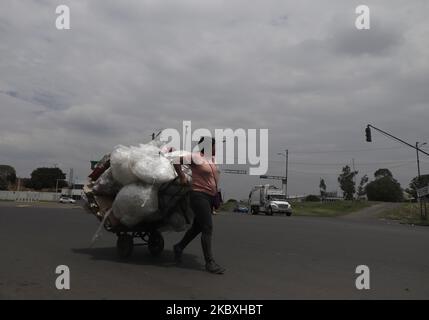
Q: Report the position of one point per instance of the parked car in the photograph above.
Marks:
(241, 209)
(67, 200)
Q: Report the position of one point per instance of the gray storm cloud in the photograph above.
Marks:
(299, 69)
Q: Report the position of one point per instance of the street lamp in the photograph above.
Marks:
(286, 155)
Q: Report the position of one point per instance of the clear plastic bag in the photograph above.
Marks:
(120, 165)
(136, 203)
(149, 165)
(106, 185)
(186, 168)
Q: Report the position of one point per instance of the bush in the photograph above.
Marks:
(3, 184)
(312, 198)
(229, 205)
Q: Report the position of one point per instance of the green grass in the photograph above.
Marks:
(328, 209)
(408, 213)
(228, 206)
(315, 209)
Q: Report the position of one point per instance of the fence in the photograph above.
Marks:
(28, 196)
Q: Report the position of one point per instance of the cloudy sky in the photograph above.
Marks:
(298, 68)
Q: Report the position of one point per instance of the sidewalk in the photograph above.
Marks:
(371, 213)
(39, 204)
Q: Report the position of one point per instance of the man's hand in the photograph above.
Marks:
(182, 178)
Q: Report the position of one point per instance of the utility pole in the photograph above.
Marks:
(71, 182)
(418, 179)
(56, 189)
(286, 175)
(354, 176)
(418, 158)
(285, 181)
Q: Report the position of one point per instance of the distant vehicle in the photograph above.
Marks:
(67, 200)
(241, 209)
(268, 199)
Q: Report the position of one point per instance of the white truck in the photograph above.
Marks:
(268, 199)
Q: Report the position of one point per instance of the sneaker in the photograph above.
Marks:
(177, 253)
(213, 267)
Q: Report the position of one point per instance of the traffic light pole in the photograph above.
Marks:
(396, 138)
(416, 147)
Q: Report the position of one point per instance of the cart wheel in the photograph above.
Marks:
(155, 243)
(125, 245)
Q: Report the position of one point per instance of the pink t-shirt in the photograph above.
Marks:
(205, 174)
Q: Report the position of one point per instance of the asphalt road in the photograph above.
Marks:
(266, 257)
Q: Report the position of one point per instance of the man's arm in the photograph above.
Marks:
(178, 168)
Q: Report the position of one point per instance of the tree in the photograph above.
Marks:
(347, 182)
(362, 186)
(384, 187)
(7, 173)
(417, 183)
(322, 187)
(3, 184)
(47, 178)
(381, 173)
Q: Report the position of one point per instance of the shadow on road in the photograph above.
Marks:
(140, 257)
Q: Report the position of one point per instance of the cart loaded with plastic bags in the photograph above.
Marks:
(135, 193)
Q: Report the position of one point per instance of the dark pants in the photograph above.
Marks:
(201, 204)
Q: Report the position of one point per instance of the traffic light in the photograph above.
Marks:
(368, 134)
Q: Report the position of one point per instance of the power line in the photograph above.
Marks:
(345, 163)
(339, 150)
(346, 150)
(337, 172)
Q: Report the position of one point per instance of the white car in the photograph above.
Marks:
(67, 200)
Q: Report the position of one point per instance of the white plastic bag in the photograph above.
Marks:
(136, 203)
(106, 185)
(186, 168)
(120, 165)
(149, 165)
